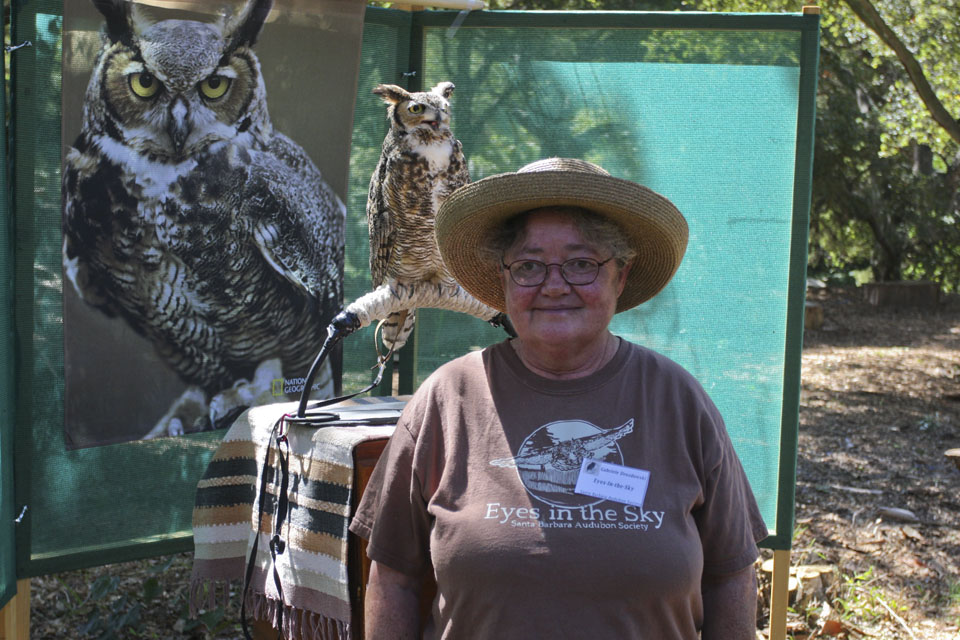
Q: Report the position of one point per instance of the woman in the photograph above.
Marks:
(564, 483)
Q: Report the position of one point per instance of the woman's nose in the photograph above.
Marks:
(554, 280)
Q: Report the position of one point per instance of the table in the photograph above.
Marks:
(322, 567)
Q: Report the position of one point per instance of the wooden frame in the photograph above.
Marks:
(15, 616)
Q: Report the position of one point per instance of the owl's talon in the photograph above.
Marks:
(175, 427)
(501, 320)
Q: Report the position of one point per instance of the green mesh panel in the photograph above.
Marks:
(8, 564)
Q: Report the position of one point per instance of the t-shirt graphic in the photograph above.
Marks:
(549, 459)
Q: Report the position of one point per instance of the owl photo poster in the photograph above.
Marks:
(205, 156)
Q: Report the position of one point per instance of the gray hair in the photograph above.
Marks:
(595, 230)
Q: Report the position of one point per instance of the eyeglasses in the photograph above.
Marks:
(575, 271)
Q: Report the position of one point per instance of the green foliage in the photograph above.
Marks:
(111, 618)
(586, 5)
(952, 600)
(214, 621)
(887, 178)
(862, 599)
(885, 184)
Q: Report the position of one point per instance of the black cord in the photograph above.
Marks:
(313, 418)
(332, 338)
(277, 545)
(303, 417)
(312, 372)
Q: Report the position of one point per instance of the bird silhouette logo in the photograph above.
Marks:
(549, 460)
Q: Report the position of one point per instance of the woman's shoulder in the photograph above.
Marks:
(465, 366)
(450, 382)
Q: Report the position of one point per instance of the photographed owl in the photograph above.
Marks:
(420, 165)
(188, 216)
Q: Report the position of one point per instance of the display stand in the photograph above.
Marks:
(663, 98)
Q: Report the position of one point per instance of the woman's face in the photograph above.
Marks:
(555, 312)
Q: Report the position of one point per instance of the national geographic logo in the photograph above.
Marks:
(284, 386)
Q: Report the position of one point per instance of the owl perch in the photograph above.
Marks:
(389, 300)
(420, 165)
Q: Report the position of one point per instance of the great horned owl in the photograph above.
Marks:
(190, 217)
(421, 164)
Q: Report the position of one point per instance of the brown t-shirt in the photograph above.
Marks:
(479, 481)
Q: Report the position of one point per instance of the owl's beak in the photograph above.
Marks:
(178, 123)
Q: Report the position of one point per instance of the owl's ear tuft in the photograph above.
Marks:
(244, 31)
(117, 13)
(391, 93)
(444, 89)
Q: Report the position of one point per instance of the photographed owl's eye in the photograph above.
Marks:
(415, 108)
(144, 84)
(214, 87)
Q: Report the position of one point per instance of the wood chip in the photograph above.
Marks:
(896, 513)
(953, 454)
(910, 532)
(832, 628)
(872, 492)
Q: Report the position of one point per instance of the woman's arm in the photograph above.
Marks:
(730, 606)
(391, 607)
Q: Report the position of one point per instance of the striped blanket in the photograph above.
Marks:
(313, 565)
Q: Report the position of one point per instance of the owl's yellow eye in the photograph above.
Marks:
(144, 84)
(415, 108)
(214, 87)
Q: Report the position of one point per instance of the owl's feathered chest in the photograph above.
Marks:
(125, 187)
(415, 176)
(137, 219)
(436, 154)
(433, 159)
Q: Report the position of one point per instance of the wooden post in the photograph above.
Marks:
(811, 10)
(779, 594)
(15, 616)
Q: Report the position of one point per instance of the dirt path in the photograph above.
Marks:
(880, 406)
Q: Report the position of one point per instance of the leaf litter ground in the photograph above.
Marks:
(880, 406)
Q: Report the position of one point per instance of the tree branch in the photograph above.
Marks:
(870, 17)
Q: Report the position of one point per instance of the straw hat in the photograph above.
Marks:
(655, 227)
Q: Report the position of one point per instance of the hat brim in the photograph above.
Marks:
(655, 227)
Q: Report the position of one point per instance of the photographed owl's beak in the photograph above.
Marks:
(434, 124)
(178, 124)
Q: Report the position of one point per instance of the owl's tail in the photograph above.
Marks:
(396, 328)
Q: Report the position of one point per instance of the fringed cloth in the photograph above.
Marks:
(313, 565)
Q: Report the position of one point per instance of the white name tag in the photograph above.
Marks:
(612, 482)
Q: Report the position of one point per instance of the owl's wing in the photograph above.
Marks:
(91, 200)
(382, 206)
(297, 221)
(461, 173)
